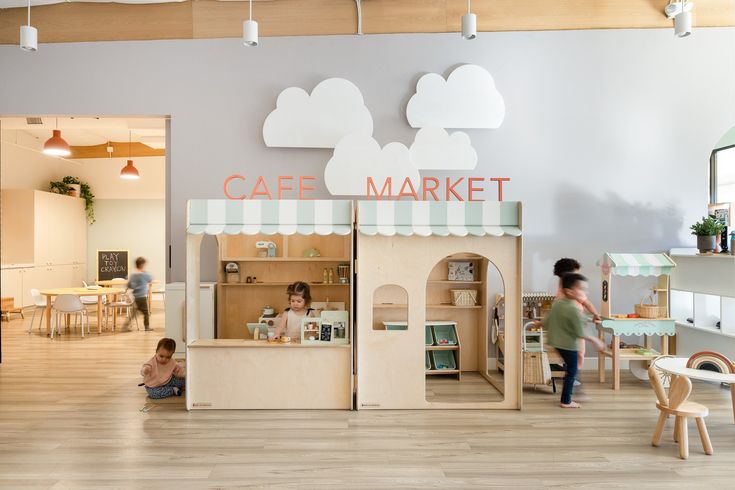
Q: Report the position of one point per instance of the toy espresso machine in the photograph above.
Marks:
(268, 316)
(232, 273)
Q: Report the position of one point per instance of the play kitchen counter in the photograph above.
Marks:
(263, 247)
(256, 374)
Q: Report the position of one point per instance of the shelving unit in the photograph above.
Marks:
(703, 290)
(241, 303)
(453, 348)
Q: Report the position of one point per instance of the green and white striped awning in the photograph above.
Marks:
(424, 218)
(637, 264)
(283, 217)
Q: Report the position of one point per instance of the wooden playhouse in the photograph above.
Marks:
(270, 244)
(423, 312)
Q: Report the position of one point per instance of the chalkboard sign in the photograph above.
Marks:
(326, 335)
(112, 264)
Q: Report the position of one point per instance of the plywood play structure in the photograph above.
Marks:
(421, 272)
(263, 247)
(650, 318)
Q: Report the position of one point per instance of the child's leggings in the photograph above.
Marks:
(166, 390)
(570, 359)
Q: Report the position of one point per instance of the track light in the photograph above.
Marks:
(681, 12)
(469, 24)
(29, 34)
(250, 30)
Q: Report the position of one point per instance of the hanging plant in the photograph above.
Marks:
(64, 187)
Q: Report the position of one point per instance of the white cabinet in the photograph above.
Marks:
(42, 223)
(11, 285)
(78, 274)
(176, 313)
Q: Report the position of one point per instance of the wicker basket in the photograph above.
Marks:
(650, 310)
(536, 369)
(464, 297)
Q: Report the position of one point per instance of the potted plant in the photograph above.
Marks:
(707, 232)
(68, 185)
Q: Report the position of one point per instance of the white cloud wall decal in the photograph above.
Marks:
(334, 109)
(358, 156)
(467, 99)
(436, 149)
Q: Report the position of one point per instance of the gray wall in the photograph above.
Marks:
(606, 138)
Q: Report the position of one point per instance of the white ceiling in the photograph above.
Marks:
(88, 131)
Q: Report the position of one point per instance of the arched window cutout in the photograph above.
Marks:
(390, 308)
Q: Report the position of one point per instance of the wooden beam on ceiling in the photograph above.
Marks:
(77, 22)
(121, 149)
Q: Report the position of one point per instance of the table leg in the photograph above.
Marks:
(646, 341)
(665, 345)
(616, 362)
(114, 315)
(99, 314)
(48, 315)
(732, 395)
(601, 359)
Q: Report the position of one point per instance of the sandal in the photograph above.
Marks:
(573, 404)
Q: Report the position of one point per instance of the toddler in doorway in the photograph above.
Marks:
(565, 266)
(299, 299)
(162, 376)
(139, 282)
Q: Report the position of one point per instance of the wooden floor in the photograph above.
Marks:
(71, 416)
(470, 388)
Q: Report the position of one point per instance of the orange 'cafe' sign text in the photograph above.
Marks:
(431, 188)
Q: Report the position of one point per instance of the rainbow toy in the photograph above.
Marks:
(711, 361)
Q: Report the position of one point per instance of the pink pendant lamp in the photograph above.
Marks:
(56, 145)
(129, 171)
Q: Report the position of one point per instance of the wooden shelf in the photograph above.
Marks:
(287, 259)
(456, 283)
(631, 355)
(442, 347)
(434, 372)
(280, 284)
(456, 257)
(448, 306)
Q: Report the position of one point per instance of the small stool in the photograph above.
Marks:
(7, 306)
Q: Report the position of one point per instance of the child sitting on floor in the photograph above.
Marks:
(162, 375)
(565, 326)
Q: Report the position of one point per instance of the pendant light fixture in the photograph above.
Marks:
(29, 34)
(681, 12)
(469, 24)
(250, 30)
(129, 171)
(56, 145)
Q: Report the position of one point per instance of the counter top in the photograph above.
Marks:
(246, 343)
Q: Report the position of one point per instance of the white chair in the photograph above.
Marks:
(66, 304)
(128, 304)
(39, 303)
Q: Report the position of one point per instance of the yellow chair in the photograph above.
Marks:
(676, 404)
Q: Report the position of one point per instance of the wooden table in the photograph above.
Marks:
(50, 293)
(677, 366)
(124, 283)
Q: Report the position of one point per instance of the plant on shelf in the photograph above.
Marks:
(72, 186)
(707, 230)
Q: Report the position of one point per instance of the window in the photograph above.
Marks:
(723, 175)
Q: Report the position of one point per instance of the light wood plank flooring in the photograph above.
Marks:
(71, 416)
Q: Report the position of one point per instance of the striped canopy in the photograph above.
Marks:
(424, 218)
(284, 217)
(638, 264)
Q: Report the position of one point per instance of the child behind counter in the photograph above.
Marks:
(299, 300)
(162, 376)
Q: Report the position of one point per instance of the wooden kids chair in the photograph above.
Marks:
(676, 404)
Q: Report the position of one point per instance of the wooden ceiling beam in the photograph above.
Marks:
(77, 22)
(121, 149)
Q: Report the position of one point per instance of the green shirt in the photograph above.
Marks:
(564, 325)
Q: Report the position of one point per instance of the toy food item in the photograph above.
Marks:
(285, 340)
(633, 315)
